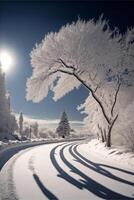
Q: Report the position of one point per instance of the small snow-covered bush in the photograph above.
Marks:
(45, 133)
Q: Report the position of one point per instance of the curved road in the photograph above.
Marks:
(65, 171)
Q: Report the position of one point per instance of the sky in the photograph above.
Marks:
(25, 23)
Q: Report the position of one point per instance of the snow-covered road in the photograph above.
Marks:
(65, 171)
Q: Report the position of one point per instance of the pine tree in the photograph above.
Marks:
(63, 129)
(21, 123)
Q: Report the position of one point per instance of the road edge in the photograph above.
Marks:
(10, 151)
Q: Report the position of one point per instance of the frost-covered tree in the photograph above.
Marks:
(21, 124)
(26, 129)
(8, 122)
(94, 120)
(124, 129)
(13, 123)
(4, 109)
(97, 124)
(84, 53)
(35, 127)
(45, 133)
(63, 129)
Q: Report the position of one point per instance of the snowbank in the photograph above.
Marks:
(3, 145)
(120, 154)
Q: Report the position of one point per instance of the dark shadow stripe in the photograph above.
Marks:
(44, 190)
(62, 173)
(99, 165)
(90, 184)
(93, 166)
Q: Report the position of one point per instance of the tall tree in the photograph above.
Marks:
(4, 109)
(21, 124)
(8, 122)
(84, 53)
(63, 129)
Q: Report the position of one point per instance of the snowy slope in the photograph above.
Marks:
(118, 154)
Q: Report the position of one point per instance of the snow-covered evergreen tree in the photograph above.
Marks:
(63, 129)
(21, 124)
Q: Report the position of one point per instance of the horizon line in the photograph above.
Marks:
(46, 121)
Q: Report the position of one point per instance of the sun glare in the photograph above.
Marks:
(6, 60)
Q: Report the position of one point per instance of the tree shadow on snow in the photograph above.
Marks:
(44, 190)
(88, 183)
(97, 167)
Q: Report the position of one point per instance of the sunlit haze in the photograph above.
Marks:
(6, 59)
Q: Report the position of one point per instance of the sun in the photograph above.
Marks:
(6, 60)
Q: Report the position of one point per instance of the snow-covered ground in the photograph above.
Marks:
(119, 154)
(67, 170)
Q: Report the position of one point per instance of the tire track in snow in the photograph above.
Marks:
(38, 181)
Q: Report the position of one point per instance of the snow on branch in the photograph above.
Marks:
(81, 47)
(85, 53)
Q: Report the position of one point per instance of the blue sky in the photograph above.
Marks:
(22, 24)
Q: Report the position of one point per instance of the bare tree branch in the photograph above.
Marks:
(94, 96)
(96, 88)
(60, 70)
(67, 66)
(86, 86)
(66, 72)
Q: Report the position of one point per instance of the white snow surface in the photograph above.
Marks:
(67, 170)
(119, 154)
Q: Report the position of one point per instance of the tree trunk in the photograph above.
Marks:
(105, 136)
(108, 142)
(101, 131)
(102, 136)
(109, 121)
(98, 136)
